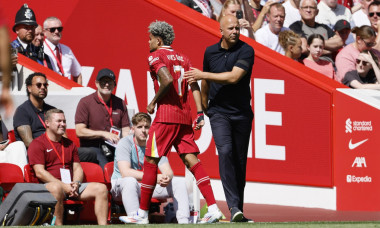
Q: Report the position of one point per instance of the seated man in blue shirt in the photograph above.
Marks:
(129, 162)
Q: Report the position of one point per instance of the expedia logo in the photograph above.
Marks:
(358, 126)
(355, 179)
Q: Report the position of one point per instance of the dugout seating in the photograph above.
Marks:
(117, 207)
(73, 208)
(10, 174)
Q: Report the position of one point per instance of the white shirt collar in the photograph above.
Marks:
(24, 45)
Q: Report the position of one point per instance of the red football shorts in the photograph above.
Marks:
(162, 136)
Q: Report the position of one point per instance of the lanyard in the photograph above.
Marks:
(39, 117)
(139, 165)
(109, 110)
(55, 150)
(56, 59)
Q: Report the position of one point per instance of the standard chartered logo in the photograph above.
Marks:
(348, 126)
(358, 126)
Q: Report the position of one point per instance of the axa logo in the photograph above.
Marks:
(348, 126)
(352, 146)
(359, 162)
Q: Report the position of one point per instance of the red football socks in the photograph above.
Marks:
(148, 184)
(203, 182)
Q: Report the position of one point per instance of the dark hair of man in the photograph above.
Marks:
(52, 111)
(141, 116)
(374, 3)
(29, 79)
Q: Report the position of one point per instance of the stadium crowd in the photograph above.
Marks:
(339, 41)
(332, 32)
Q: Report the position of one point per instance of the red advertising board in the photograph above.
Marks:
(292, 131)
(356, 166)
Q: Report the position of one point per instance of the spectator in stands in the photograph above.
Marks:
(360, 17)
(292, 12)
(268, 34)
(342, 28)
(374, 17)
(38, 40)
(48, 153)
(315, 45)
(291, 43)
(367, 73)
(25, 24)
(308, 26)
(201, 6)
(101, 117)
(127, 174)
(329, 12)
(259, 12)
(63, 59)
(231, 7)
(29, 119)
(365, 40)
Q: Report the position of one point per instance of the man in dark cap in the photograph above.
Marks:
(101, 119)
(343, 29)
(25, 24)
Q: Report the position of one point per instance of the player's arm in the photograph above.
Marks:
(205, 87)
(229, 77)
(25, 133)
(166, 80)
(199, 121)
(127, 171)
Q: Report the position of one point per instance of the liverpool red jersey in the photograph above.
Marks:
(174, 107)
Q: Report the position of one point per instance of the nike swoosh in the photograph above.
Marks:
(354, 145)
(49, 150)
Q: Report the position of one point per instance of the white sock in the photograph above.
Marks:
(142, 213)
(213, 208)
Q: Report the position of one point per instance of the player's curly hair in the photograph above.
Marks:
(163, 30)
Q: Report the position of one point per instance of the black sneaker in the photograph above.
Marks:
(236, 215)
(244, 219)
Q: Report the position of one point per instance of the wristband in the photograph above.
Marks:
(199, 118)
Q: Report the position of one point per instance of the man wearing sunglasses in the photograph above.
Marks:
(28, 121)
(63, 59)
(25, 24)
(374, 17)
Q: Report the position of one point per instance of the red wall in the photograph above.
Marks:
(114, 34)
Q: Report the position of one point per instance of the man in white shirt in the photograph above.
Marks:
(360, 17)
(330, 12)
(63, 59)
(292, 12)
(268, 34)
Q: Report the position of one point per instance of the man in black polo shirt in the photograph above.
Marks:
(226, 96)
(28, 121)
